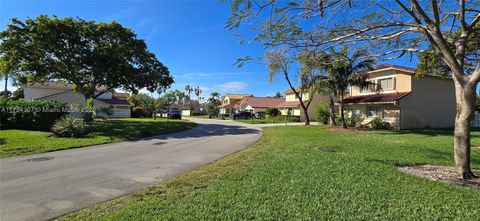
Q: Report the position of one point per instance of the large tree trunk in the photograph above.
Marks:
(307, 118)
(342, 113)
(5, 91)
(332, 112)
(465, 97)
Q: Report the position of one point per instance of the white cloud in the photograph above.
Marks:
(232, 86)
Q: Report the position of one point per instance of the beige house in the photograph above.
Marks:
(291, 105)
(231, 102)
(63, 93)
(258, 104)
(403, 101)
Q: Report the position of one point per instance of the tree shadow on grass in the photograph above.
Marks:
(428, 132)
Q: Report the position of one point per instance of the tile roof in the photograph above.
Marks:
(236, 96)
(121, 95)
(262, 102)
(289, 104)
(376, 98)
(223, 105)
(289, 91)
(397, 67)
(114, 101)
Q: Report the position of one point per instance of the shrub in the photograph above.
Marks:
(281, 118)
(105, 110)
(322, 112)
(138, 112)
(30, 114)
(272, 112)
(69, 127)
(378, 123)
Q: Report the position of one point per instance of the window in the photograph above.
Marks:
(374, 111)
(387, 84)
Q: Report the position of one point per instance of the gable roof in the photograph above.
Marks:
(376, 98)
(58, 85)
(121, 95)
(262, 102)
(236, 96)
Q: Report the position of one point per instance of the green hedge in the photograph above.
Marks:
(281, 118)
(30, 114)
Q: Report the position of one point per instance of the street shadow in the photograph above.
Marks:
(208, 130)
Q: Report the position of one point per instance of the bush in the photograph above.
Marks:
(378, 124)
(322, 112)
(281, 118)
(138, 112)
(272, 112)
(30, 114)
(105, 110)
(69, 127)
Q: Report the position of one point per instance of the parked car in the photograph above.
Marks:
(260, 115)
(214, 114)
(175, 115)
(242, 115)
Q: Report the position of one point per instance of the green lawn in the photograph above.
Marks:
(23, 142)
(286, 176)
(254, 121)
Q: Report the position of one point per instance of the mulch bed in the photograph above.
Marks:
(441, 173)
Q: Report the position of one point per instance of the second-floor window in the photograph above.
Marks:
(368, 88)
(387, 84)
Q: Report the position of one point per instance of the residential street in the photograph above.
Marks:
(44, 186)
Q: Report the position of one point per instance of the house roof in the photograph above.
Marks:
(58, 85)
(376, 98)
(395, 67)
(236, 96)
(262, 102)
(114, 101)
(222, 105)
(289, 104)
(121, 95)
(289, 91)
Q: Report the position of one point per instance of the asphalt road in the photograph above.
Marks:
(45, 186)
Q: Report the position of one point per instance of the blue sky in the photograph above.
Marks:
(187, 36)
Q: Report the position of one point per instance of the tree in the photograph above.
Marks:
(389, 30)
(345, 71)
(84, 53)
(278, 95)
(7, 74)
(188, 92)
(278, 61)
(197, 92)
(214, 99)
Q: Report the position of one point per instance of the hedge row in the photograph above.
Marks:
(30, 114)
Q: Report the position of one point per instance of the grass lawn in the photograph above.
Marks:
(23, 142)
(286, 176)
(255, 121)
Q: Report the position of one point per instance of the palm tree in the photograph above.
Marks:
(197, 92)
(188, 91)
(5, 74)
(344, 71)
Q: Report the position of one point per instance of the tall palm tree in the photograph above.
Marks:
(188, 90)
(197, 92)
(345, 71)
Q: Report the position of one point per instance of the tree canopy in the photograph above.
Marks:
(84, 53)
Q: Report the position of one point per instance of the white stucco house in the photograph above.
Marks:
(64, 93)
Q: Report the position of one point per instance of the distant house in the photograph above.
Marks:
(230, 103)
(258, 104)
(404, 101)
(291, 105)
(64, 93)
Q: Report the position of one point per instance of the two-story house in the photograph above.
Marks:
(64, 93)
(291, 106)
(403, 100)
(231, 102)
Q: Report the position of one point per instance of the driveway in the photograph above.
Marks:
(44, 186)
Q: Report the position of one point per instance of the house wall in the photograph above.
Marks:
(118, 110)
(292, 97)
(403, 82)
(431, 104)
